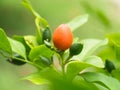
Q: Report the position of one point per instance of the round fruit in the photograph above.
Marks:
(109, 66)
(76, 48)
(62, 37)
(16, 61)
(47, 34)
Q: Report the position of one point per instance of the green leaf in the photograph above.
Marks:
(95, 61)
(22, 40)
(36, 79)
(38, 31)
(89, 47)
(104, 80)
(40, 22)
(17, 47)
(114, 40)
(5, 48)
(74, 67)
(51, 77)
(45, 76)
(30, 41)
(78, 80)
(78, 21)
(116, 74)
(41, 50)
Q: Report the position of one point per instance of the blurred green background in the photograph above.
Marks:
(15, 19)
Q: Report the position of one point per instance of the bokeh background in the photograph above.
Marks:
(15, 19)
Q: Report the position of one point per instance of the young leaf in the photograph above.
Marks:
(5, 47)
(104, 80)
(77, 22)
(50, 77)
(30, 41)
(40, 22)
(38, 31)
(95, 61)
(89, 47)
(22, 40)
(41, 50)
(36, 79)
(74, 67)
(44, 76)
(17, 47)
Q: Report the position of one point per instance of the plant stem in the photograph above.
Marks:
(67, 60)
(62, 62)
(37, 66)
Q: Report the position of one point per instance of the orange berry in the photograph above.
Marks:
(62, 37)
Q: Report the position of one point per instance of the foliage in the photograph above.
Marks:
(59, 69)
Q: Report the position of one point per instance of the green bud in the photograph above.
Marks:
(45, 61)
(16, 61)
(75, 49)
(109, 66)
(47, 34)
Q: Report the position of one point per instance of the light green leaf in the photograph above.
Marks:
(50, 77)
(45, 76)
(74, 67)
(37, 79)
(5, 48)
(22, 40)
(104, 80)
(17, 47)
(41, 50)
(30, 41)
(89, 47)
(78, 21)
(38, 31)
(95, 61)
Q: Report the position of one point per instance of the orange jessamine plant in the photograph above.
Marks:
(63, 62)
